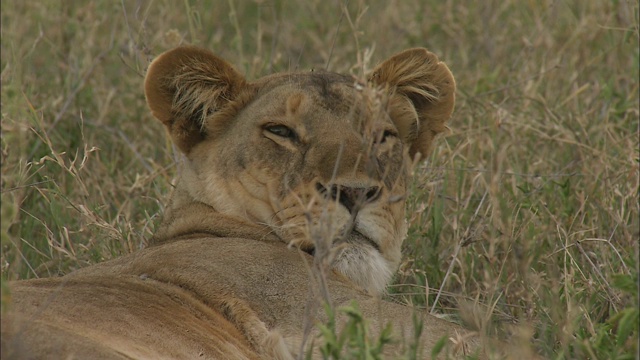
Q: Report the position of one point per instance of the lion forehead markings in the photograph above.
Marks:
(293, 103)
(332, 91)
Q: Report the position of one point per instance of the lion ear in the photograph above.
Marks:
(184, 86)
(422, 95)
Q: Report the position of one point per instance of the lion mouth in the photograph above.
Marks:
(355, 237)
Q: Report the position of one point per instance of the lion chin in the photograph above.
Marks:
(317, 160)
(363, 264)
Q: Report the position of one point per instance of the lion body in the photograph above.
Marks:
(291, 190)
(133, 308)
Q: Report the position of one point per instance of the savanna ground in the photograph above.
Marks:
(524, 221)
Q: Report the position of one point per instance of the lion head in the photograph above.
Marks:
(314, 159)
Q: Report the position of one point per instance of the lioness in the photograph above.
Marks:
(279, 175)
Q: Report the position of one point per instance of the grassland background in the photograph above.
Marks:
(523, 221)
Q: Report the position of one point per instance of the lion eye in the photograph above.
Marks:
(281, 131)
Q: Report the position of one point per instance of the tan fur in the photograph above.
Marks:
(275, 172)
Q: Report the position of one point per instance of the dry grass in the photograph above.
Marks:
(527, 212)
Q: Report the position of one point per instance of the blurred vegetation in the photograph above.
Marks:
(524, 221)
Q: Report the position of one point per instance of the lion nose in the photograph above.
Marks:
(350, 197)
